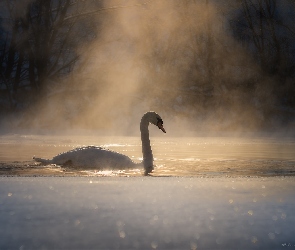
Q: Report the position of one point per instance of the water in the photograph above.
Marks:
(178, 156)
(206, 193)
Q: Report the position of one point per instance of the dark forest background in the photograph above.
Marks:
(218, 65)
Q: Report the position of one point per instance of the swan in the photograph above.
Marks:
(101, 158)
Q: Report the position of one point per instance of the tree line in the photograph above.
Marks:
(40, 40)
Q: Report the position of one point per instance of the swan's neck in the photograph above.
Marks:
(146, 145)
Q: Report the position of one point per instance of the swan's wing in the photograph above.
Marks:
(94, 157)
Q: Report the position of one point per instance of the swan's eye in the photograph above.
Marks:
(160, 121)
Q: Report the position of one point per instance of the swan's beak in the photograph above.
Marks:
(160, 126)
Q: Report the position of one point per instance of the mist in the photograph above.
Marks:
(178, 58)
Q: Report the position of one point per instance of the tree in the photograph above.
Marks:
(266, 27)
(41, 40)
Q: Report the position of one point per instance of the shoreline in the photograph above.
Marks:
(32, 169)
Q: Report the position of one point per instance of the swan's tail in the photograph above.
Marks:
(43, 161)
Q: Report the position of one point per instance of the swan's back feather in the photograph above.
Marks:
(91, 157)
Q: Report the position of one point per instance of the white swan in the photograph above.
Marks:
(100, 158)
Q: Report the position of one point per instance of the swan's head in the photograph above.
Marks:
(155, 119)
(160, 124)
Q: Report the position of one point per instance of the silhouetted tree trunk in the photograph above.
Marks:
(11, 51)
(209, 49)
(18, 72)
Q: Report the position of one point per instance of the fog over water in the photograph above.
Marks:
(178, 58)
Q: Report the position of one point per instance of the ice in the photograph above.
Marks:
(147, 213)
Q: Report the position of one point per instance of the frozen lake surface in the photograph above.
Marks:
(147, 213)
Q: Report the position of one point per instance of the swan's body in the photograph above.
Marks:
(91, 157)
(100, 158)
